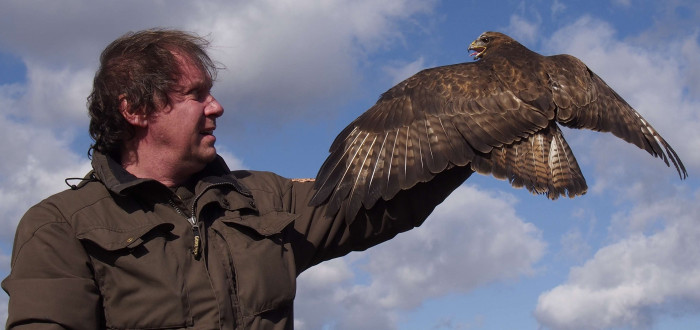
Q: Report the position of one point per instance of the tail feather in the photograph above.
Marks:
(543, 163)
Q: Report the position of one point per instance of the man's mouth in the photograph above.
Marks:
(208, 131)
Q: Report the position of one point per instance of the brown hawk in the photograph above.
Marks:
(497, 115)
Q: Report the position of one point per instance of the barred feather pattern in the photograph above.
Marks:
(543, 164)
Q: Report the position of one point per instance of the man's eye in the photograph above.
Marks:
(203, 96)
(199, 95)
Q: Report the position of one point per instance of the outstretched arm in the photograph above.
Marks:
(326, 237)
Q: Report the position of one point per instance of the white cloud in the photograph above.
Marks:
(50, 98)
(400, 72)
(523, 30)
(557, 8)
(39, 125)
(35, 166)
(633, 281)
(286, 59)
(472, 230)
(233, 162)
(319, 290)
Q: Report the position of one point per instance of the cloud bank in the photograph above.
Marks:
(473, 238)
(632, 282)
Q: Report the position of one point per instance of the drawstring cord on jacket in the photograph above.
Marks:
(82, 181)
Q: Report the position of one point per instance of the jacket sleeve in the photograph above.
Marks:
(321, 237)
(51, 284)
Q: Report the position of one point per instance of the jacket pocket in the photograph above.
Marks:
(263, 262)
(140, 281)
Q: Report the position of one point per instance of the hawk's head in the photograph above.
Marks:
(487, 41)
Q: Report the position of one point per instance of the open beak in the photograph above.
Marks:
(478, 50)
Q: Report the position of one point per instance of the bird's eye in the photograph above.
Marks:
(484, 40)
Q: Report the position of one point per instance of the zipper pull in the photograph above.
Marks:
(195, 247)
(197, 240)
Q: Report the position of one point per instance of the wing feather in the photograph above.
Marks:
(359, 189)
(377, 179)
(586, 101)
(392, 173)
(438, 145)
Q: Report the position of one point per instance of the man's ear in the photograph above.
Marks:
(132, 116)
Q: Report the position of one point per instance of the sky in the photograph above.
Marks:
(623, 256)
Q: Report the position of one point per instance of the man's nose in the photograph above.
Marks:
(214, 108)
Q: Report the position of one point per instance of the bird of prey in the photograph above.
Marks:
(497, 115)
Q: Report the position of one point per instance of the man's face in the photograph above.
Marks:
(183, 128)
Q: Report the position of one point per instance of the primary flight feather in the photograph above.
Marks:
(497, 115)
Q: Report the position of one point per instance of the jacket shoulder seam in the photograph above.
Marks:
(33, 234)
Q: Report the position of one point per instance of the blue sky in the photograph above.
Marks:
(624, 256)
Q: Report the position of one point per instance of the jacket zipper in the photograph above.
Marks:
(195, 228)
(193, 218)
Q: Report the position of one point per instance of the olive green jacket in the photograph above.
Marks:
(119, 252)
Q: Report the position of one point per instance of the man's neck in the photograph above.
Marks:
(157, 166)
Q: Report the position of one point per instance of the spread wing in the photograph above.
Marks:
(449, 116)
(584, 100)
(495, 118)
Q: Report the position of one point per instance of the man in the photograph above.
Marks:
(161, 234)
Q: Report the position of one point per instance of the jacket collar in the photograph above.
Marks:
(114, 176)
(118, 180)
